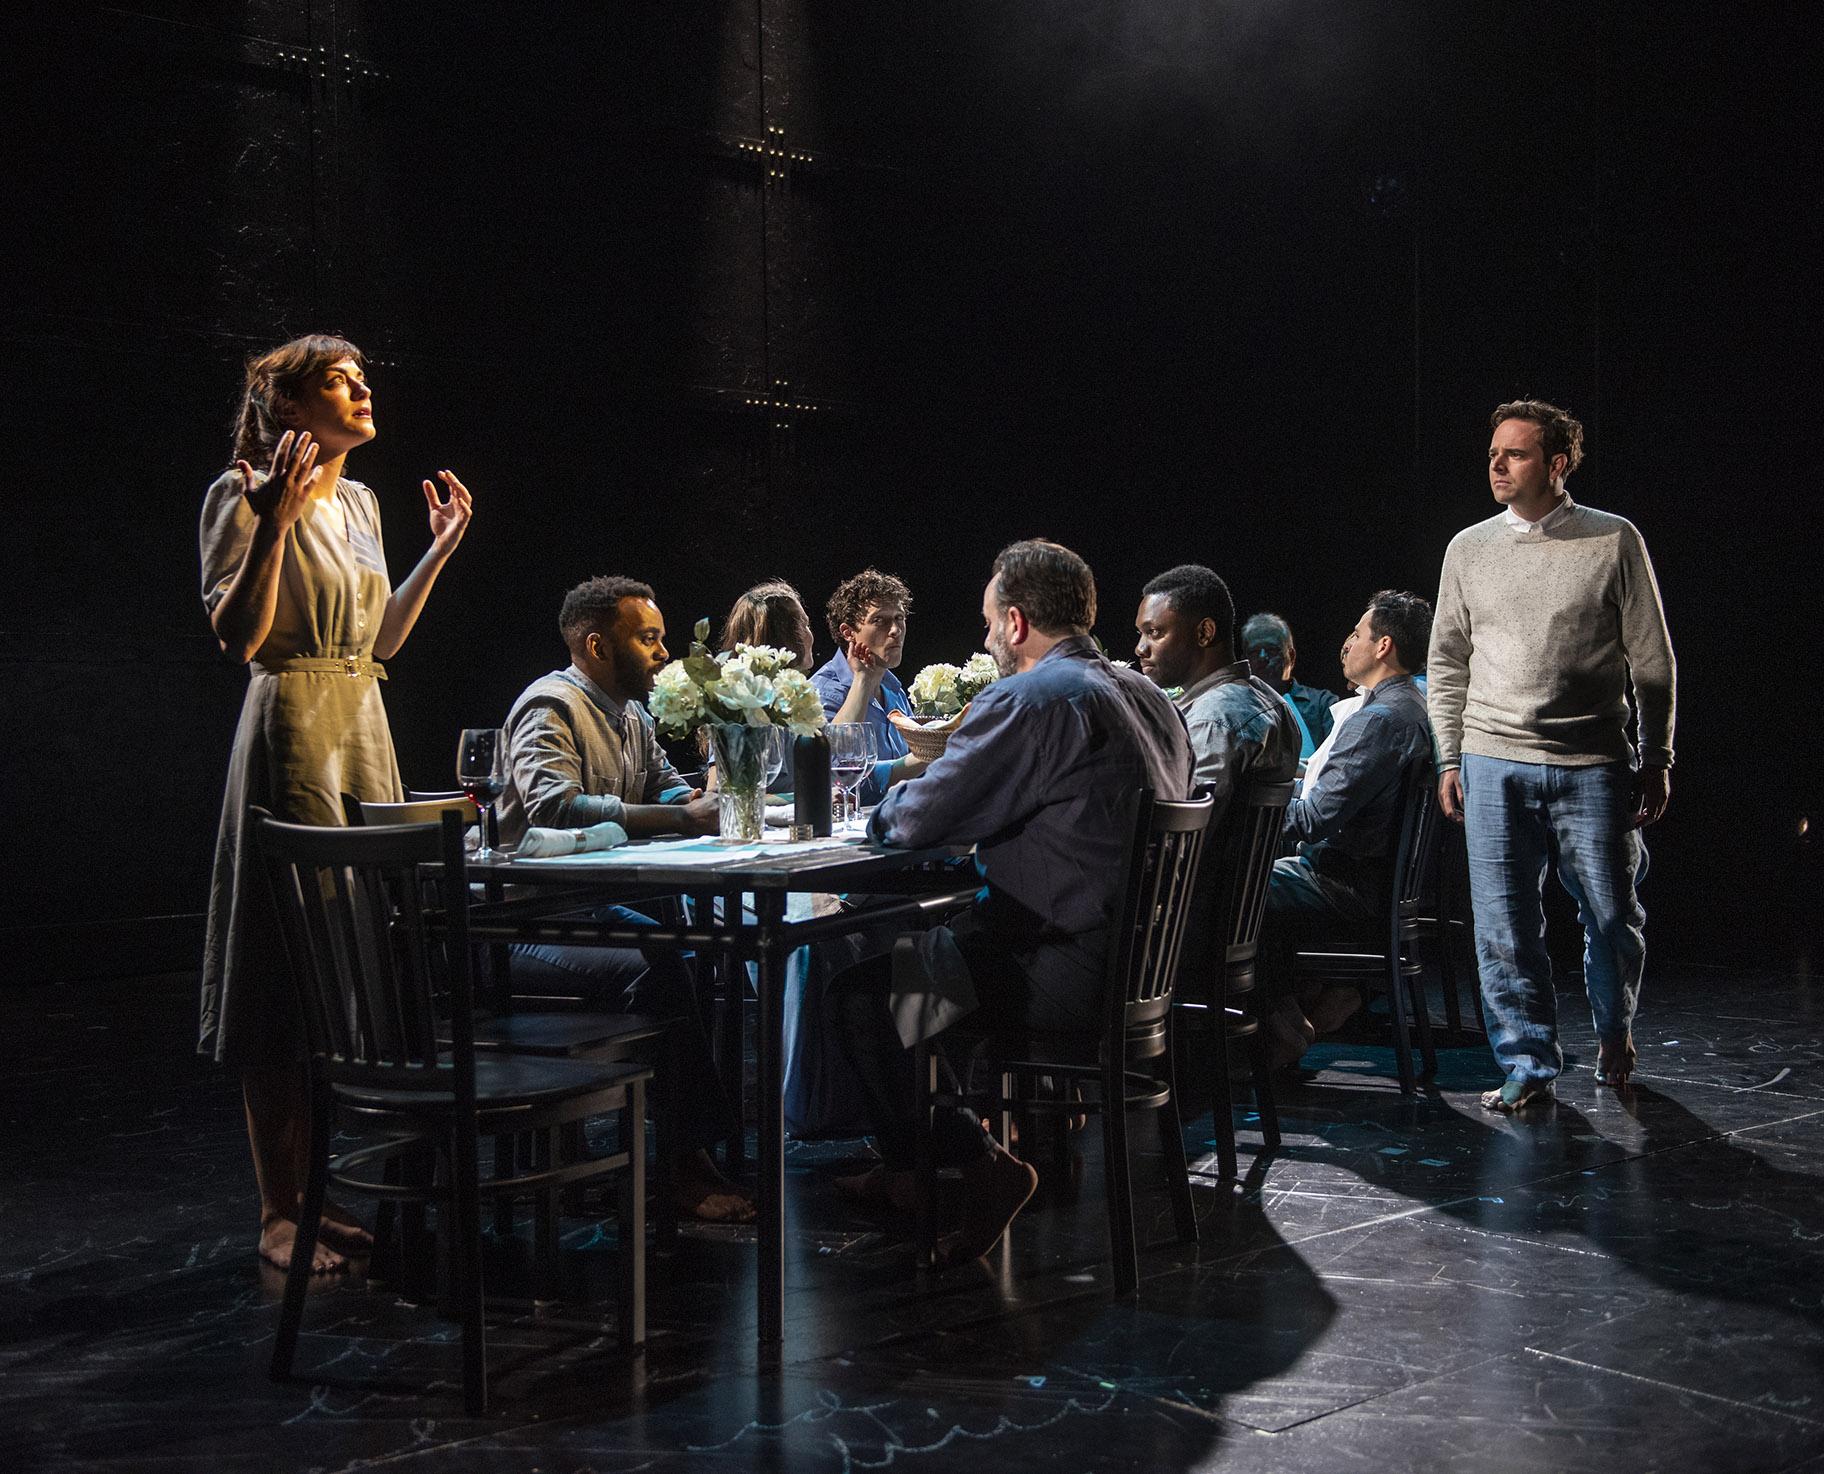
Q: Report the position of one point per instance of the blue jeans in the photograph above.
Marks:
(1518, 817)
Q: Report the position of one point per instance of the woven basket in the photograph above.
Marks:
(925, 743)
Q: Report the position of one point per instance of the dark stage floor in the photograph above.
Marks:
(1617, 1285)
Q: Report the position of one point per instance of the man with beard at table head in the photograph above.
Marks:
(1240, 729)
(1042, 777)
(581, 751)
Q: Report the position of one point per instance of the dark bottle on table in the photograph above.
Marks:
(811, 783)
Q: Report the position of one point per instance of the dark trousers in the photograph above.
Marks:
(1308, 909)
(627, 980)
(860, 1019)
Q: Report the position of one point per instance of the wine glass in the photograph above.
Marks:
(481, 772)
(778, 743)
(850, 744)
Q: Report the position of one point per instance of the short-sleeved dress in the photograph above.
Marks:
(306, 737)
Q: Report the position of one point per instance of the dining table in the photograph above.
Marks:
(739, 894)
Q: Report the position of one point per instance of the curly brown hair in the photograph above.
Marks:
(1560, 433)
(854, 597)
(284, 372)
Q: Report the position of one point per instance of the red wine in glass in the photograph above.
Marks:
(481, 771)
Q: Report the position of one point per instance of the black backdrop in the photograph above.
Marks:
(711, 292)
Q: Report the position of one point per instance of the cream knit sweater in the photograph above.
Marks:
(1538, 636)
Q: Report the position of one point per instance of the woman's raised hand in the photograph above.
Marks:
(449, 515)
(286, 492)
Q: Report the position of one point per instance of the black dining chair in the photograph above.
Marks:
(1218, 993)
(1388, 956)
(380, 975)
(1129, 1060)
(553, 1028)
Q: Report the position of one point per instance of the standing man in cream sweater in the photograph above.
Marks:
(1548, 614)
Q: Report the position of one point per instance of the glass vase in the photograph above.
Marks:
(740, 753)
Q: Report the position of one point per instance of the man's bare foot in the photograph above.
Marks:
(700, 1191)
(995, 1188)
(1334, 1007)
(277, 1235)
(1615, 1063)
(342, 1230)
(881, 1188)
(1290, 1034)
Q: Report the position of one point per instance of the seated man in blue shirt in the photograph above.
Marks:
(1240, 729)
(1041, 777)
(867, 618)
(1348, 825)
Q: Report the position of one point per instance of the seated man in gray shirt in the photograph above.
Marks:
(1239, 727)
(1041, 778)
(581, 751)
(1348, 825)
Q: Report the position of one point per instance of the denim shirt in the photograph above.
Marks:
(833, 682)
(1351, 814)
(1041, 777)
(1240, 729)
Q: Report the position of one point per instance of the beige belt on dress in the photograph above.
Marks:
(347, 665)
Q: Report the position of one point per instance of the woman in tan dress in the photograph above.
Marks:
(294, 579)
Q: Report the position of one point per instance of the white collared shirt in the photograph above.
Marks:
(1546, 523)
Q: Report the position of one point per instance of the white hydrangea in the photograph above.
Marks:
(934, 689)
(797, 703)
(677, 700)
(978, 673)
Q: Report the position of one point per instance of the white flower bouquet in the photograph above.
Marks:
(748, 698)
(749, 686)
(940, 694)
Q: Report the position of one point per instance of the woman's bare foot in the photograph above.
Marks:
(342, 1230)
(995, 1188)
(700, 1191)
(278, 1235)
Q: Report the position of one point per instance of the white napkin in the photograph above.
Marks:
(540, 843)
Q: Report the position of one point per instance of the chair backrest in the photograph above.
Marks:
(1156, 901)
(424, 810)
(1416, 856)
(1247, 844)
(369, 975)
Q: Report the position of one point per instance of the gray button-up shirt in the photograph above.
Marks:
(1240, 730)
(576, 757)
(1041, 778)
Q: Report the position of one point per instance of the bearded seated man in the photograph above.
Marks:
(581, 751)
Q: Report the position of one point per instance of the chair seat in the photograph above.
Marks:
(1368, 964)
(503, 1082)
(562, 1035)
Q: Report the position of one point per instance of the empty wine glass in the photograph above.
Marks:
(778, 743)
(481, 772)
(851, 756)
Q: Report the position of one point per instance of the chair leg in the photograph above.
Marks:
(667, 1113)
(924, 1228)
(304, 1246)
(1118, 1181)
(632, 1208)
(1421, 1017)
(506, 1164)
(1177, 1167)
(465, 1269)
(1266, 1101)
(545, 1221)
(1222, 1093)
(1402, 1043)
(1447, 959)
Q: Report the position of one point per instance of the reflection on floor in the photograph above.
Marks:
(1620, 1283)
